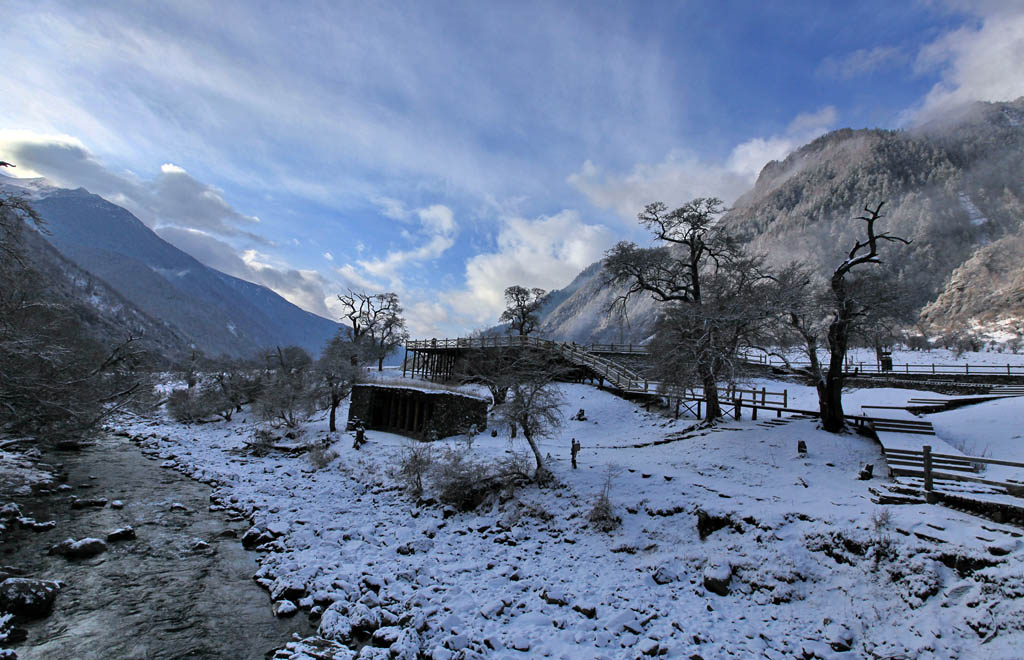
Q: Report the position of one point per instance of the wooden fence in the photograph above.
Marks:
(920, 369)
(934, 466)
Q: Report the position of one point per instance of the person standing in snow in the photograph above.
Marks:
(360, 436)
(575, 450)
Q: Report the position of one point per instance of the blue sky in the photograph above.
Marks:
(446, 150)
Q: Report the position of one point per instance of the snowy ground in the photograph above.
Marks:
(809, 565)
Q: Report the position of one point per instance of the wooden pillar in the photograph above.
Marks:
(928, 485)
(736, 403)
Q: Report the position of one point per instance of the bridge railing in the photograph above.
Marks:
(614, 374)
(628, 349)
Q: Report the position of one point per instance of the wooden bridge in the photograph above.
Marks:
(435, 359)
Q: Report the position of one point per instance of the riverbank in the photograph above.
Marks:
(730, 545)
(181, 587)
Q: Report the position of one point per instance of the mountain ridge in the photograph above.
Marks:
(220, 314)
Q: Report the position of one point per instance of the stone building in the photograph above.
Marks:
(421, 414)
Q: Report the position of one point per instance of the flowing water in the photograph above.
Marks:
(159, 596)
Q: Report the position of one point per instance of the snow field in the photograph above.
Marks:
(808, 564)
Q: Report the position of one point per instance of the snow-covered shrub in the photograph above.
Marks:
(320, 456)
(602, 516)
(261, 441)
(185, 406)
(414, 463)
(462, 481)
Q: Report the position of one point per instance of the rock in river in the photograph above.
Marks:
(28, 598)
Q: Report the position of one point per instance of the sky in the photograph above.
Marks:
(445, 150)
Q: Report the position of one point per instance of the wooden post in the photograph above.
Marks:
(405, 360)
(738, 405)
(928, 485)
(785, 400)
(753, 411)
(698, 408)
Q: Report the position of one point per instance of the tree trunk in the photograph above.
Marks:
(380, 363)
(830, 389)
(714, 408)
(541, 474)
(334, 410)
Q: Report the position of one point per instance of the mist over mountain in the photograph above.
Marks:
(218, 313)
(953, 187)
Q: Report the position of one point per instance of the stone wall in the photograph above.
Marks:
(416, 413)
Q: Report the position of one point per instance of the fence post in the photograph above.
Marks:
(736, 402)
(764, 395)
(928, 485)
(785, 398)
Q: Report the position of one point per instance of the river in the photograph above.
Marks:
(163, 595)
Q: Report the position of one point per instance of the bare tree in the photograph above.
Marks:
(847, 308)
(715, 297)
(533, 403)
(522, 309)
(288, 396)
(376, 318)
(338, 369)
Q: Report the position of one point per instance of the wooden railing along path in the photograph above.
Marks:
(936, 466)
(613, 373)
(906, 368)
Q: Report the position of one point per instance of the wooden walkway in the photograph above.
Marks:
(435, 359)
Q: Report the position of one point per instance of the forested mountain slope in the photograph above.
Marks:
(95, 307)
(954, 188)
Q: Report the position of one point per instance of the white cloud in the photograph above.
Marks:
(391, 208)
(682, 176)
(982, 63)
(862, 62)
(173, 197)
(438, 227)
(304, 288)
(546, 252)
(328, 256)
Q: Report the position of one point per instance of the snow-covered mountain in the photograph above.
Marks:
(952, 187)
(218, 313)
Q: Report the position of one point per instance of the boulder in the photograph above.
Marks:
(28, 598)
(284, 608)
(717, 578)
(335, 624)
(407, 646)
(122, 534)
(82, 549)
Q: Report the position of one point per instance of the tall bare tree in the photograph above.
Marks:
(375, 318)
(522, 309)
(846, 308)
(533, 401)
(338, 369)
(715, 297)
